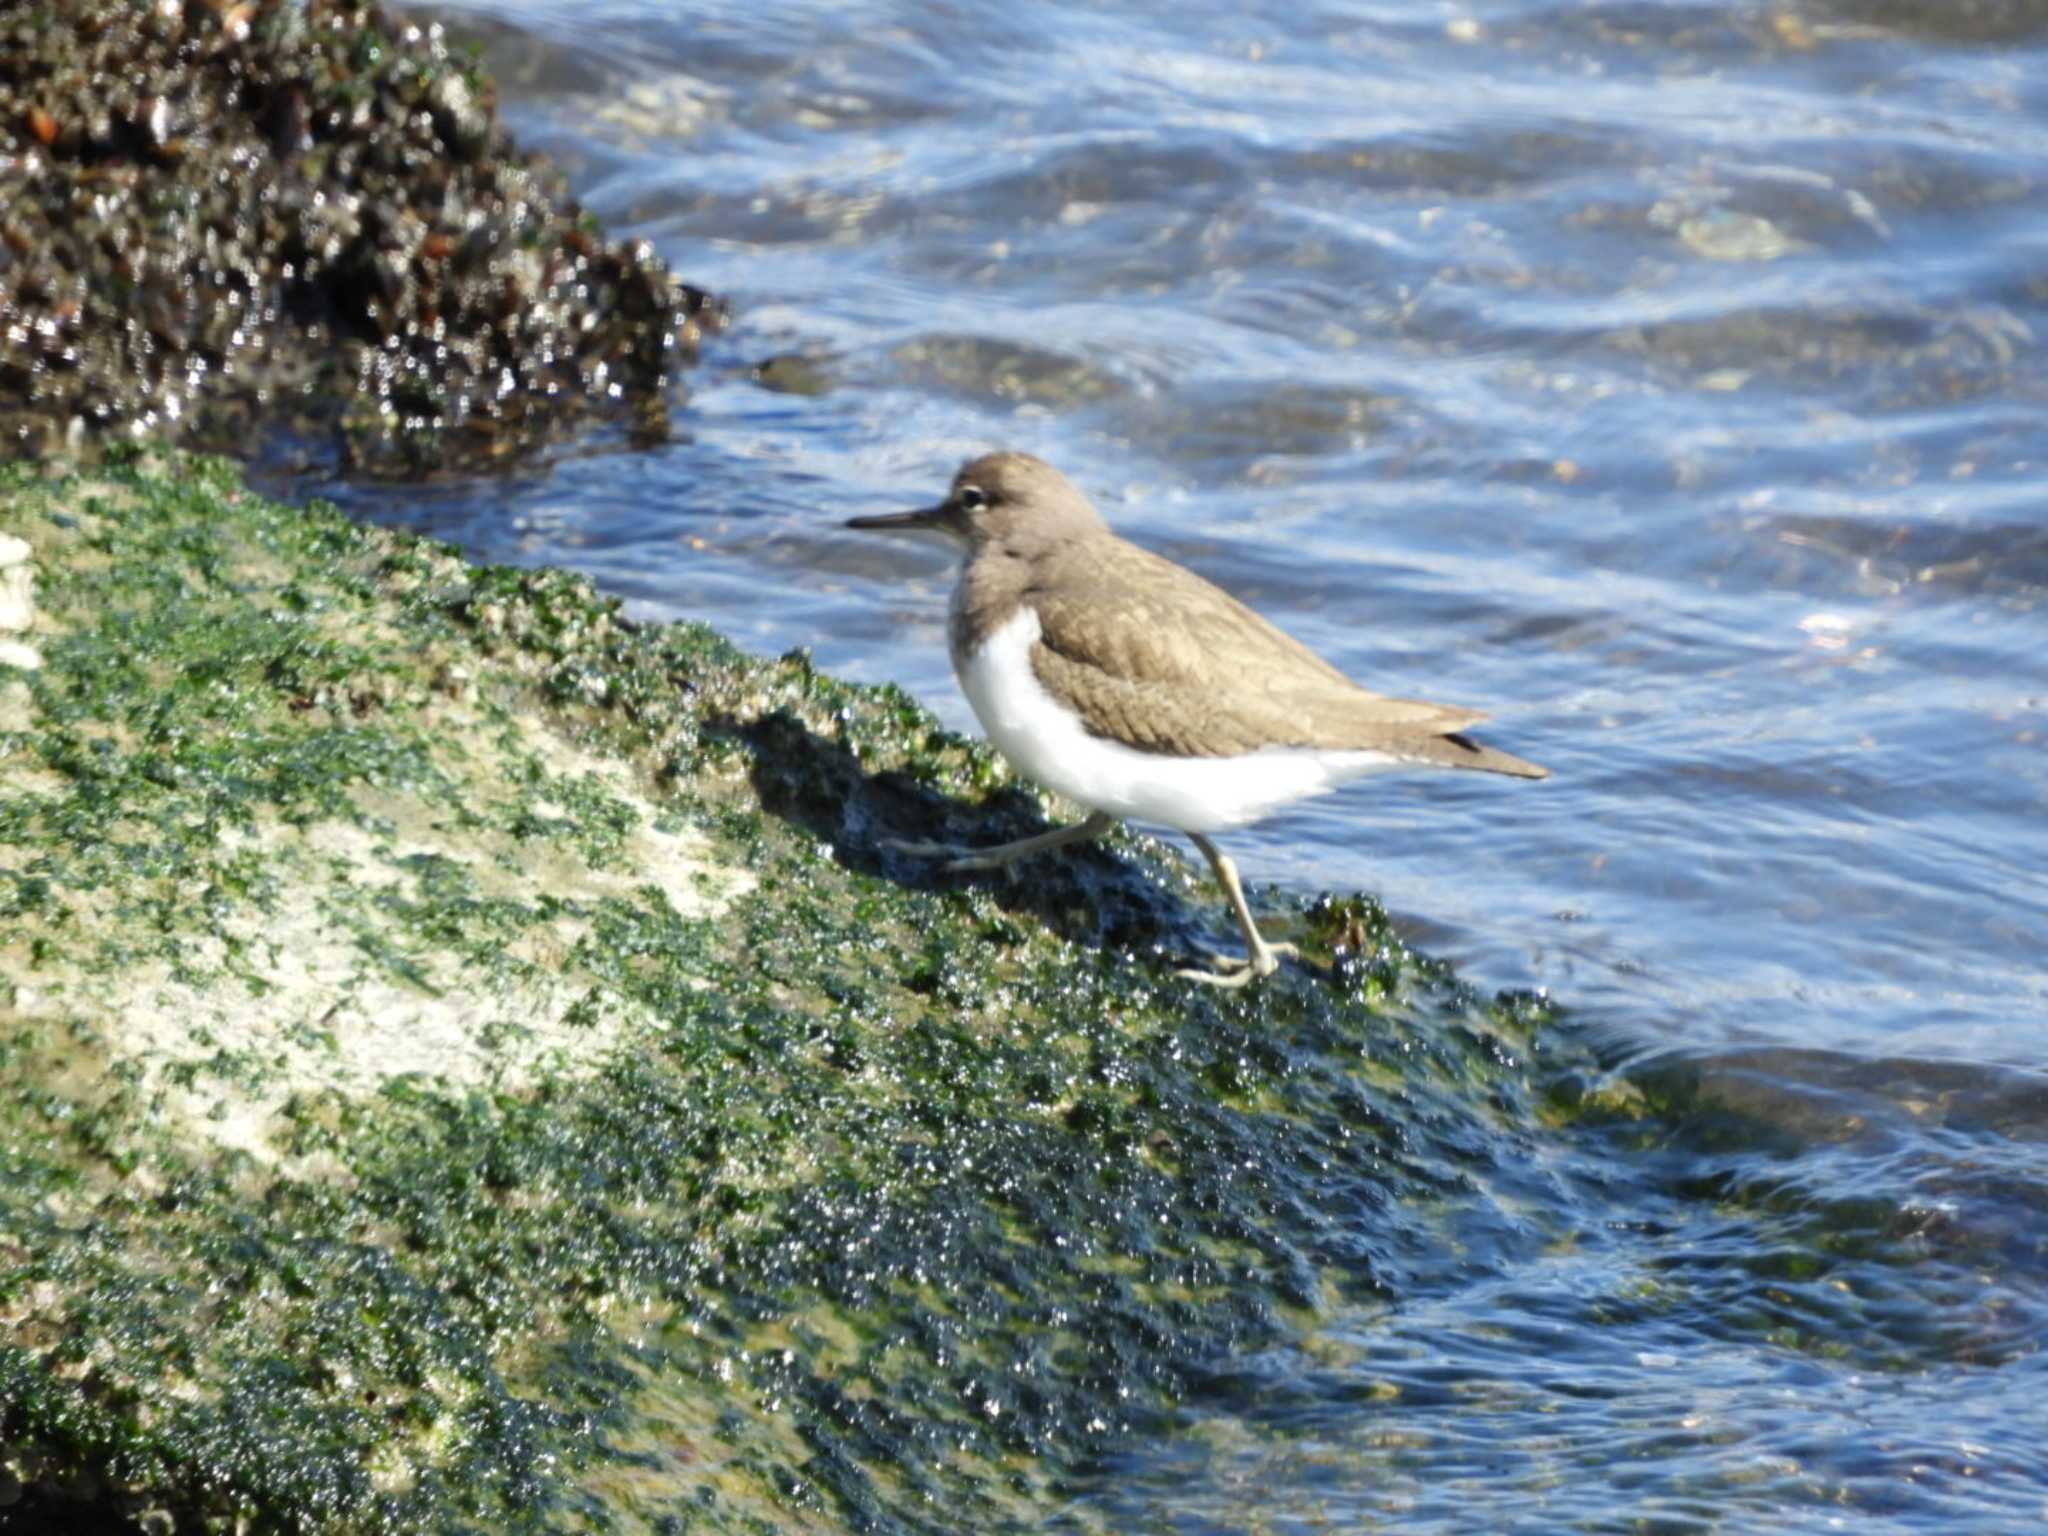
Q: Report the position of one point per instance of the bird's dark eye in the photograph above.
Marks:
(972, 498)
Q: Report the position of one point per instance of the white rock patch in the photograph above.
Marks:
(17, 603)
(323, 990)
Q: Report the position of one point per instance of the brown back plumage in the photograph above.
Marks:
(1151, 654)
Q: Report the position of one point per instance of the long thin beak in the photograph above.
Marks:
(924, 517)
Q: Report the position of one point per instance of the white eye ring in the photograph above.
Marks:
(973, 498)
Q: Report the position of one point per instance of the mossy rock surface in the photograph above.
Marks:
(472, 1065)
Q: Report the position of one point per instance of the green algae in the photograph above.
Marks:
(755, 1179)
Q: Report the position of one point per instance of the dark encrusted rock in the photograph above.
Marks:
(227, 216)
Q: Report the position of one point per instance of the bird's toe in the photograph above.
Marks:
(1234, 971)
(922, 850)
(1237, 974)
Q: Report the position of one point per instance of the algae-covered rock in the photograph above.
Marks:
(469, 1066)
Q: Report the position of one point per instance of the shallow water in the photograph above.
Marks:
(1665, 379)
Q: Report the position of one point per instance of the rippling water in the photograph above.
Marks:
(1664, 378)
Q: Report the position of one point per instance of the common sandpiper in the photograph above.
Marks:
(1138, 689)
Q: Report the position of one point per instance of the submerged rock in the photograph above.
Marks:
(222, 217)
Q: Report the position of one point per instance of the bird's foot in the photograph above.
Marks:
(1003, 854)
(958, 858)
(1234, 971)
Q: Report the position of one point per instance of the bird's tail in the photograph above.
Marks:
(1457, 751)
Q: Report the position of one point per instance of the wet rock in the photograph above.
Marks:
(218, 218)
(794, 374)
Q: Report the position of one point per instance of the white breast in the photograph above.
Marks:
(1048, 743)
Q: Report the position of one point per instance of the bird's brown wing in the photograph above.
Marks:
(1151, 654)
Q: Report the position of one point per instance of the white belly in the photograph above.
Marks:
(1194, 794)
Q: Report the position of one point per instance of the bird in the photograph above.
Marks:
(1138, 689)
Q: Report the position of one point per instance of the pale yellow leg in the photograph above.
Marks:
(1263, 959)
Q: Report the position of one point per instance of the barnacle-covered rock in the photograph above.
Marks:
(218, 217)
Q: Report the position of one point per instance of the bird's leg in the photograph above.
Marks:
(959, 858)
(1264, 958)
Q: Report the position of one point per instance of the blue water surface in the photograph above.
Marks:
(1665, 379)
